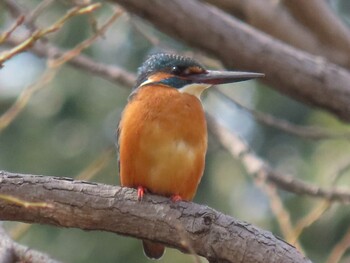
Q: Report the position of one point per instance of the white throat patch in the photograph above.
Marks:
(195, 89)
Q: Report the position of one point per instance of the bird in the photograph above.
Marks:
(162, 133)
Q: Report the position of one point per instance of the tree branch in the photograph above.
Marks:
(298, 74)
(306, 132)
(109, 72)
(263, 15)
(92, 206)
(323, 22)
(10, 251)
(258, 168)
(41, 33)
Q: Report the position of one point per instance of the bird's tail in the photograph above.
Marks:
(153, 250)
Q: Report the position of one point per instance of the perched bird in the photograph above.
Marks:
(162, 135)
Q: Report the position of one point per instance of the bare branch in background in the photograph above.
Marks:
(306, 132)
(323, 22)
(263, 15)
(30, 15)
(10, 251)
(339, 250)
(7, 33)
(314, 215)
(22, 100)
(100, 162)
(14, 8)
(341, 170)
(53, 67)
(258, 168)
(38, 34)
(35, 13)
(110, 72)
(92, 206)
(16, 11)
(279, 210)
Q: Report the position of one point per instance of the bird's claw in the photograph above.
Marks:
(140, 192)
(176, 198)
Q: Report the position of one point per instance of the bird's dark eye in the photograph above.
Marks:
(177, 70)
(181, 70)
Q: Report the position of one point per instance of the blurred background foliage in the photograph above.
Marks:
(72, 121)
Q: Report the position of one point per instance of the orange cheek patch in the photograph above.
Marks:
(194, 70)
(156, 77)
(159, 76)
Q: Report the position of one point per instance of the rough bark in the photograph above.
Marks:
(92, 206)
(325, 24)
(263, 15)
(298, 74)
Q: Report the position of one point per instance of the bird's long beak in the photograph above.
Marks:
(202, 81)
(212, 77)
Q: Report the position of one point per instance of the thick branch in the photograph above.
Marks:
(263, 15)
(92, 206)
(323, 22)
(302, 76)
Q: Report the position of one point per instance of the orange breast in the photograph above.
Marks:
(163, 141)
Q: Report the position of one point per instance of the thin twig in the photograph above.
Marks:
(14, 9)
(339, 173)
(258, 168)
(110, 72)
(86, 43)
(306, 132)
(19, 230)
(279, 210)
(23, 99)
(11, 251)
(30, 16)
(43, 32)
(36, 12)
(186, 243)
(53, 67)
(96, 165)
(339, 250)
(7, 33)
(309, 219)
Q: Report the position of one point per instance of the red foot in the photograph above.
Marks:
(140, 192)
(176, 198)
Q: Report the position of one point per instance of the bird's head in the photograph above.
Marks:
(185, 74)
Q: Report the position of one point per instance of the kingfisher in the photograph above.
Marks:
(162, 134)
